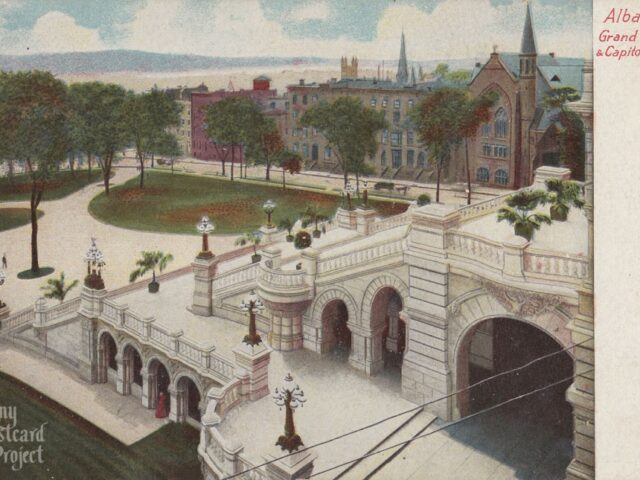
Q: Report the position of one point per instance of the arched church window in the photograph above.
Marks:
(482, 174)
(502, 177)
(421, 160)
(501, 124)
(485, 130)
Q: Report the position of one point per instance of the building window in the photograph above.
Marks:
(422, 160)
(486, 149)
(500, 151)
(385, 101)
(396, 117)
(314, 98)
(396, 103)
(396, 158)
(305, 150)
(327, 153)
(410, 154)
(294, 132)
(272, 105)
(314, 152)
(385, 136)
(314, 131)
(374, 101)
(410, 137)
(305, 132)
(295, 147)
(411, 102)
(294, 114)
(304, 99)
(501, 123)
(286, 106)
(502, 177)
(482, 175)
(485, 130)
(396, 138)
(294, 99)
(383, 158)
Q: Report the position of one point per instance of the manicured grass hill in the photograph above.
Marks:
(15, 217)
(176, 202)
(75, 449)
(60, 185)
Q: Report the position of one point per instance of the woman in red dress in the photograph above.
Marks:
(161, 408)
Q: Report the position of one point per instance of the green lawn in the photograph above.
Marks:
(75, 449)
(60, 185)
(175, 203)
(15, 217)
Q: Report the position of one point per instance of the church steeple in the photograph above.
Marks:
(402, 76)
(528, 46)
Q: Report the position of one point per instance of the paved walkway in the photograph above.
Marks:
(122, 417)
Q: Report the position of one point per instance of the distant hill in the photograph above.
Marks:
(132, 60)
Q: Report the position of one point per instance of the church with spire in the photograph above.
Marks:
(523, 133)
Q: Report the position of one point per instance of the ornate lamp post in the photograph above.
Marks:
(365, 194)
(205, 227)
(268, 207)
(95, 261)
(349, 189)
(290, 397)
(252, 305)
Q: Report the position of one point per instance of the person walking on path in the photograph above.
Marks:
(4, 261)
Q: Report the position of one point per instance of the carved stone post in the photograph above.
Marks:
(176, 413)
(254, 359)
(204, 269)
(365, 217)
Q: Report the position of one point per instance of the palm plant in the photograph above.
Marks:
(519, 212)
(563, 194)
(151, 261)
(287, 224)
(253, 238)
(313, 215)
(57, 288)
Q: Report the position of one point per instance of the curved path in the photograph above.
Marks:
(65, 232)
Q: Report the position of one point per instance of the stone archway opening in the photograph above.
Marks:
(389, 329)
(132, 363)
(159, 381)
(188, 400)
(335, 330)
(541, 422)
(107, 363)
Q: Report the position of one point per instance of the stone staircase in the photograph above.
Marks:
(368, 467)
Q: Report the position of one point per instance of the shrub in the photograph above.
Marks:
(384, 186)
(424, 199)
(302, 240)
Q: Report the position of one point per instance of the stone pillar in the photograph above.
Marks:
(204, 269)
(91, 302)
(268, 233)
(148, 388)
(175, 402)
(298, 465)
(4, 312)
(123, 387)
(582, 390)
(346, 219)
(425, 367)
(255, 361)
(272, 257)
(365, 217)
(90, 356)
(513, 250)
(545, 173)
(286, 325)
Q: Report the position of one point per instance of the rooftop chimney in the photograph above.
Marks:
(552, 54)
(478, 64)
(301, 81)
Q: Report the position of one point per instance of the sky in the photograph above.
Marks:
(369, 29)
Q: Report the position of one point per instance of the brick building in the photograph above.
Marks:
(182, 95)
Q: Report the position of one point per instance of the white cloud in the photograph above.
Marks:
(58, 32)
(317, 10)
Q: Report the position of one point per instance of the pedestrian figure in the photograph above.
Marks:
(4, 261)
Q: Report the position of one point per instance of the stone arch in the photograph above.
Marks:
(151, 387)
(106, 358)
(387, 280)
(188, 404)
(132, 364)
(333, 293)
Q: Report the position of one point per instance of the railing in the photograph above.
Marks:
(62, 310)
(483, 208)
(564, 267)
(360, 256)
(390, 222)
(244, 465)
(23, 317)
(475, 248)
(282, 278)
(171, 343)
(236, 277)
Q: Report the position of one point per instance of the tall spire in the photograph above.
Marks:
(402, 76)
(528, 46)
(413, 75)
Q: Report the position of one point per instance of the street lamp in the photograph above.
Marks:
(95, 261)
(268, 207)
(205, 227)
(291, 397)
(251, 305)
(365, 194)
(349, 190)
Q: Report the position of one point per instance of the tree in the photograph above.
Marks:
(571, 133)
(57, 288)
(84, 121)
(563, 194)
(438, 121)
(313, 215)
(34, 112)
(151, 261)
(290, 162)
(350, 129)
(518, 212)
(167, 146)
(441, 70)
(149, 115)
(269, 145)
(474, 113)
(234, 121)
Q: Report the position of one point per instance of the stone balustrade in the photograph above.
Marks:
(281, 279)
(390, 222)
(235, 277)
(347, 260)
(485, 207)
(561, 267)
(469, 247)
(23, 317)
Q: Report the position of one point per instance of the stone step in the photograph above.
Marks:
(367, 467)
